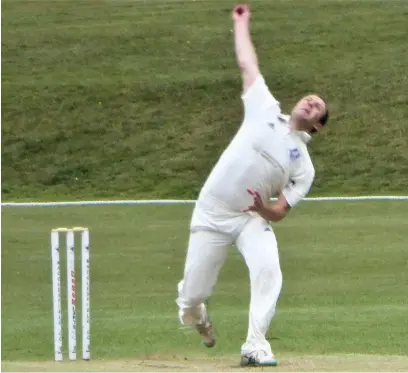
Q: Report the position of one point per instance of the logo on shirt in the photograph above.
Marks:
(267, 229)
(294, 154)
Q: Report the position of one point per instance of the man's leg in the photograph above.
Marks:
(257, 244)
(206, 254)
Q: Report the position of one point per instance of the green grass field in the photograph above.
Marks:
(137, 99)
(345, 280)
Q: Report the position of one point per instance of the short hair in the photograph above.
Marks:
(325, 117)
(323, 120)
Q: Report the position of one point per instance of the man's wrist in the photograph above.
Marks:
(265, 212)
(241, 22)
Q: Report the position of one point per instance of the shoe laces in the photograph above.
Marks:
(262, 354)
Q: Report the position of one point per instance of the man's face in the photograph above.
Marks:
(308, 112)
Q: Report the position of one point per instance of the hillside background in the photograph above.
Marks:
(135, 99)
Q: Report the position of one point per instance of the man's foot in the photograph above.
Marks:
(206, 331)
(259, 359)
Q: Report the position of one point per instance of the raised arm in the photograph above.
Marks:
(244, 50)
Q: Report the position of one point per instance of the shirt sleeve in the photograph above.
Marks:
(298, 186)
(257, 99)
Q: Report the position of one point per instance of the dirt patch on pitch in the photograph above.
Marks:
(329, 363)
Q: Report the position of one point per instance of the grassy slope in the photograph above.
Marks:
(344, 286)
(138, 98)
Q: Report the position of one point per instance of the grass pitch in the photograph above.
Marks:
(343, 303)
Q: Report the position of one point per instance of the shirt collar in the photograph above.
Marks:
(303, 136)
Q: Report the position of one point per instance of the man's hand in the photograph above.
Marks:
(258, 205)
(274, 212)
(241, 13)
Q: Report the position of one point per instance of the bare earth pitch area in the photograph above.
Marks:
(329, 363)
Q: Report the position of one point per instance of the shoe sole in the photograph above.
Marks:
(245, 362)
(213, 339)
(208, 344)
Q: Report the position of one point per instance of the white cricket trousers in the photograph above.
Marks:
(206, 254)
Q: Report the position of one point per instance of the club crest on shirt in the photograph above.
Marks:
(294, 154)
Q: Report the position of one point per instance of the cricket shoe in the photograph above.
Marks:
(206, 330)
(259, 358)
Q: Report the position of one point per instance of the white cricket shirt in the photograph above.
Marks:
(264, 155)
